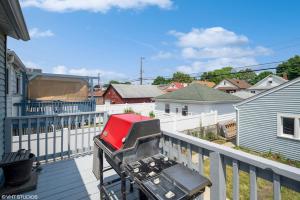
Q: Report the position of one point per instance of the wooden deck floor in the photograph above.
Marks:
(73, 179)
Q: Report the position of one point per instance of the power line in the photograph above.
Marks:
(198, 74)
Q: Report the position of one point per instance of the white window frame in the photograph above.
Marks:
(280, 133)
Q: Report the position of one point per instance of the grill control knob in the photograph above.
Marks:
(136, 170)
(156, 181)
(152, 164)
(152, 173)
(169, 195)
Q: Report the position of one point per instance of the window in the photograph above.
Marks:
(288, 125)
(18, 85)
(253, 91)
(167, 108)
(224, 82)
(177, 110)
(270, 82)
(185, 110)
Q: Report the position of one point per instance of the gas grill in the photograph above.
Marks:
(130, 144)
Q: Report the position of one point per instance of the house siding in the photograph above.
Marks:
(2, 90)
(222, 108)
(258, 122)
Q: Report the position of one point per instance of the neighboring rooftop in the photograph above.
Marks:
(175, 86)
(270, 91)
(206, 83)
(199, 93)
(136, 91)
(242, 84)
(260, 86)
(243, 94)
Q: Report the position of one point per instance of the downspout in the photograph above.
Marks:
(237, 125)
(5, 74)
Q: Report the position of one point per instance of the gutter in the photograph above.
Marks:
(196, 102)
(15, 17)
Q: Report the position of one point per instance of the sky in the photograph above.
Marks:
(192, 36)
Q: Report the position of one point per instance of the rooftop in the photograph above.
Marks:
(200, 93)
(136, 91)
(242, 84)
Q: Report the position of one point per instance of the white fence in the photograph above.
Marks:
(181, 123)
(143, 108)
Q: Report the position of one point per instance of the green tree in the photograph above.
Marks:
(217, 75)
(291, 67)
(261, 76)
(160, 81)
(247, 75)
(182, 77)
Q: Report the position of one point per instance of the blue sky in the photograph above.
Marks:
(109, 37)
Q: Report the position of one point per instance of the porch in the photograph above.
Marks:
(62, 142)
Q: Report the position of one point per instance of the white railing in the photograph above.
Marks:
(183, 147)
(53, 136)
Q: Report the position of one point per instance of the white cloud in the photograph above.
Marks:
(208, 65)
(60, 69)
(210, 37)
(224, 52)
(82, 71)
(216, 47)
(32, 65)
(162, 55)
(37, 33)
(94, 5)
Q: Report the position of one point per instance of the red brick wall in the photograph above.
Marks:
(112, 95)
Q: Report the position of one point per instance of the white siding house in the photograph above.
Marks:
(270, 121)
(232, 85)
(196, 99)
(266, 84)
(17, 83)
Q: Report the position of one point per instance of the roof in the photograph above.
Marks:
(16, 60)
(274, 89)
(243, 94)
(242, 84)
(136, 91)
(206, 83)
(257, 86)
(48, 75)
(97, 93)
(12, 21)
(199, 93)
(177, 85)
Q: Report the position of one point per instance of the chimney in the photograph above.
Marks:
(284, 76)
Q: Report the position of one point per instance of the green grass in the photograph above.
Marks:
(264, 190)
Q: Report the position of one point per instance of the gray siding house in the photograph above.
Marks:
(270, 121)
(11, 24)
(17, 83)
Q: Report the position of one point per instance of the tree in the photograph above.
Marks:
(260, 77)
(247, 75)
(182, 77)
(291, 67)
(217, 75)
(160, 81)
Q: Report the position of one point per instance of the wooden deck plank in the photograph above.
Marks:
(74, 179)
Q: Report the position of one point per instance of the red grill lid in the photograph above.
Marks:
(118, 127)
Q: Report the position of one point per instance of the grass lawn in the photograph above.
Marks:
(264, 190)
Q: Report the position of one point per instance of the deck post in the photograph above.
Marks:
(217, 176)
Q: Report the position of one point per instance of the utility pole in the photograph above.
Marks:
(141, 71)
(99, 80)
